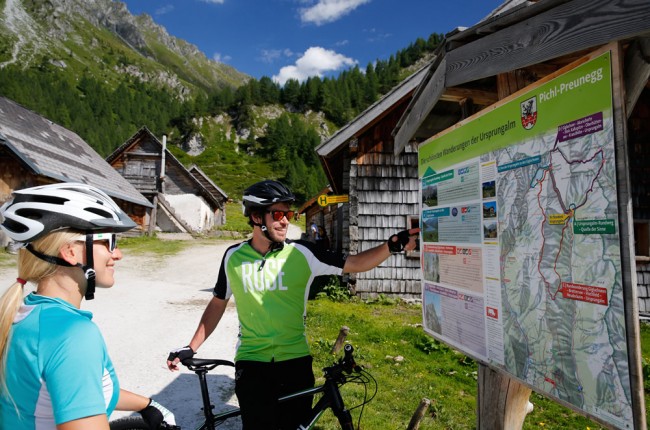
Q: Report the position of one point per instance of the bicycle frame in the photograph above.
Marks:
(331, 397)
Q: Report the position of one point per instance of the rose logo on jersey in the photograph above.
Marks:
(529, 112)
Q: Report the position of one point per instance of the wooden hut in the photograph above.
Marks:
(325, 216)
(183, 201)
(382, 191)
(36, 151)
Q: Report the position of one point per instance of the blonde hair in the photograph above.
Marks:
(33, 269)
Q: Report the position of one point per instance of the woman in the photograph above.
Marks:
(55, 372)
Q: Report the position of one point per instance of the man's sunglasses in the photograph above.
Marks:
(109, 238)
(278, 215)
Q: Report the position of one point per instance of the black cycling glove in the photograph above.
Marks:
(397, 242)
(181, 353)
(155, 414)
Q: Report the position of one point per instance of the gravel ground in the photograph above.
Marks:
(154, 307)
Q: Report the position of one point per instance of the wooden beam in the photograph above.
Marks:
(569, 27)
(422, 105)
(637, 72)
(478, 97)
(626, 235)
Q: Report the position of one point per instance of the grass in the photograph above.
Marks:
(236, 221)
(153, 245)
(6, 259)
(382, 331)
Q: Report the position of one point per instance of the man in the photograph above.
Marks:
(270, 278)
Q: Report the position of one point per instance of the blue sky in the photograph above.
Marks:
(285, 39)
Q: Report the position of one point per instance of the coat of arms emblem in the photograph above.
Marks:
(529, 113)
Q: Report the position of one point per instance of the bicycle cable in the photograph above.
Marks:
(364, 378)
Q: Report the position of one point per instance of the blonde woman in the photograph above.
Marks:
(55, 371)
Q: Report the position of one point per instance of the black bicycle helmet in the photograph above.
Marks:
(37, 211)
(265, 193)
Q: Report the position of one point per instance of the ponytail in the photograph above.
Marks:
(9, 304)
(32, 269)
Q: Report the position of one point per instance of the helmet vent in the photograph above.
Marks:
(15, 226)
(99, 212)
(29, 213)
(51, 200)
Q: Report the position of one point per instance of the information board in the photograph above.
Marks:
(521, 255)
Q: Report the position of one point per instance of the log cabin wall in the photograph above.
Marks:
(14, 176)
(383, 191)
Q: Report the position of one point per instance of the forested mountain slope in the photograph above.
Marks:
(94, 68)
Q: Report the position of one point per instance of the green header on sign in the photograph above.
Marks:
(575, 94)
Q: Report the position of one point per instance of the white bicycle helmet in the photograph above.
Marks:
(36, 211)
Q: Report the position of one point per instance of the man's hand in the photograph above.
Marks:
(404, 240)
(178, 355)
(155, 414)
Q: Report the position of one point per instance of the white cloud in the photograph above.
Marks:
(376, 36)
(326, 11)
(221, 58)
(270, 55)
(314, 62)
(213, 1)
(165, 9)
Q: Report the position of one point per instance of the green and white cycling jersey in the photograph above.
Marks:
(58, 368)
(271, 294)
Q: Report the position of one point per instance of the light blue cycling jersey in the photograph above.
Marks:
(58, 368)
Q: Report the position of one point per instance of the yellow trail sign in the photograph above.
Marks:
(324, 199)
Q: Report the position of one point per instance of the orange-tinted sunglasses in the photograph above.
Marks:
(278, 215)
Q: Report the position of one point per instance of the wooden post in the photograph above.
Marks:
(343, 333)
(502, 401)
(153, 217)
(414, 424)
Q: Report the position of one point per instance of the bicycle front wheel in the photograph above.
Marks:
(129, 423)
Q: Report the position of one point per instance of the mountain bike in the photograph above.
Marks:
(345, 370)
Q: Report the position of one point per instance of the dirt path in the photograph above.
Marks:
(155, 307)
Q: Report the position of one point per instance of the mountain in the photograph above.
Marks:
(100, 38)
(92, 67)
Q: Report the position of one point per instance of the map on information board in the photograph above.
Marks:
(521, 258)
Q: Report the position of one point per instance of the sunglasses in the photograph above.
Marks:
(109, 238)
(278, 215)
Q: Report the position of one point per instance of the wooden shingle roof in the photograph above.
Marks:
(207, 183)
(50, 150)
